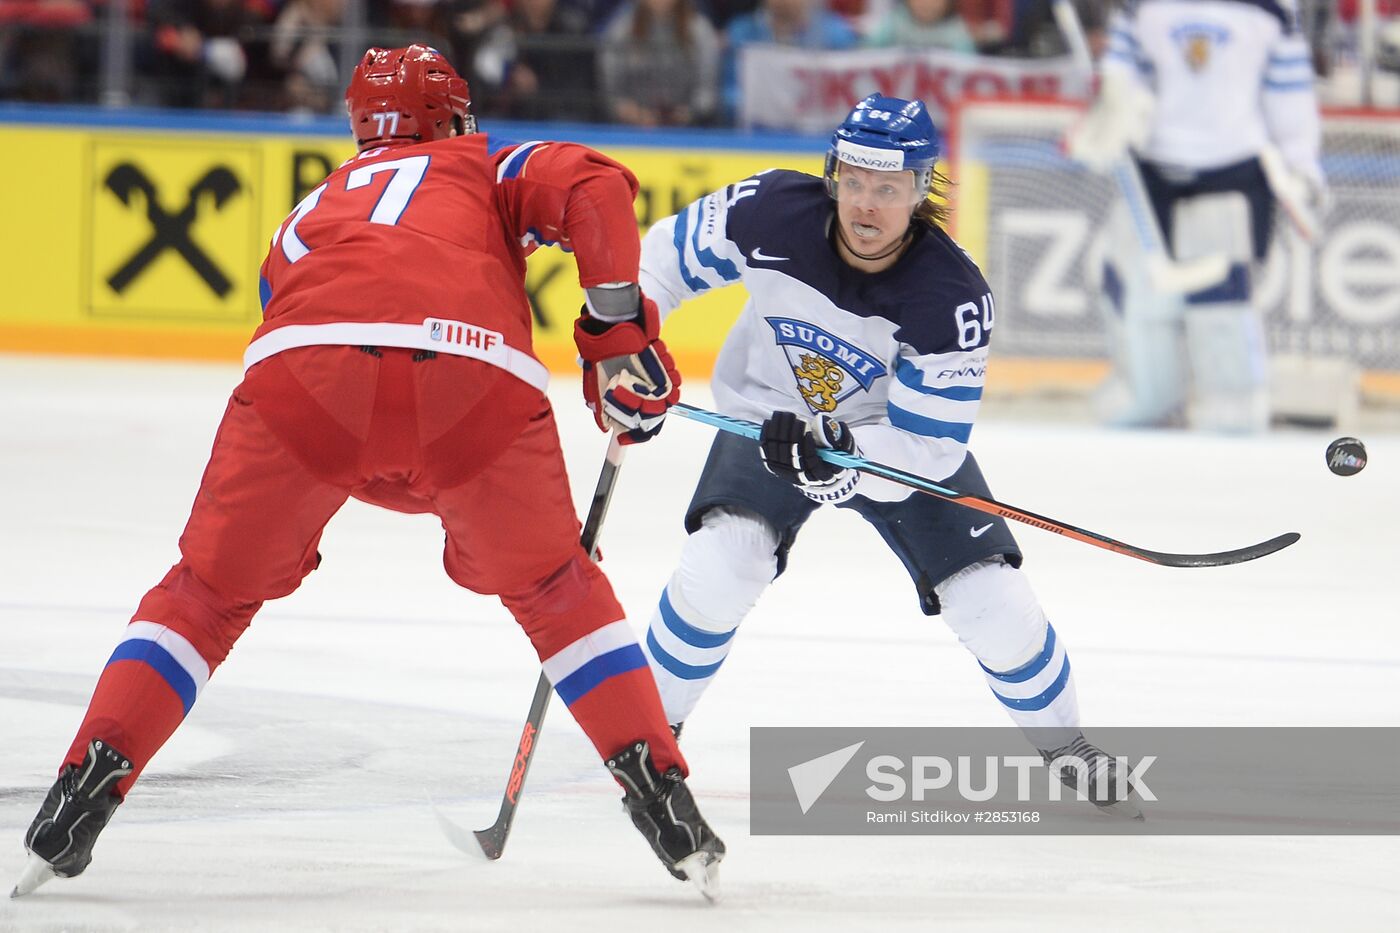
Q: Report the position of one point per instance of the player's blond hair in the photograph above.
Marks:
(935, 209)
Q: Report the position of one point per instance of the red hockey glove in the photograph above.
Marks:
(788, 446)
(629, 378)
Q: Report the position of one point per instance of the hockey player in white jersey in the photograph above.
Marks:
(1214, 100)
(866, 330)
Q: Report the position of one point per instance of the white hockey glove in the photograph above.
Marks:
(788, 446)
(1302, 193)
(1118, 121)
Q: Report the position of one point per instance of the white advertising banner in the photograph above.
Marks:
(811, 91)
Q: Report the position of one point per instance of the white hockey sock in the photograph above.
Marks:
(994, 612)
(724, 568)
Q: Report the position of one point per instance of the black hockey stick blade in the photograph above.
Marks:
(992, 507)
(493, 838)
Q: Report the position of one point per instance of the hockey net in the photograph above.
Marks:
(1035, 222)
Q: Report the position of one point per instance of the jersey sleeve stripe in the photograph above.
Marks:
(707, 256)
(1286, 73)
(928, 427)
(933, 406)
(513, 164)
(1286, 86)
(1125, 36)
(913, 378)
(693, 282)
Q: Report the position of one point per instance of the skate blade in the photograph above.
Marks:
(1123, 810)
(702, 870)
(36, 872)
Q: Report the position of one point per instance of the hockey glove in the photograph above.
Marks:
(788, 446)
(629, 378)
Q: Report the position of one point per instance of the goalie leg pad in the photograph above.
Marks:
(725, 566)
(994, 612)
(1224, 332)
(1148, 383)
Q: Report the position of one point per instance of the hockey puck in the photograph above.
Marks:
(1346, 456)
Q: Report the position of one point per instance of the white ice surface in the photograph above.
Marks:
(295, 797)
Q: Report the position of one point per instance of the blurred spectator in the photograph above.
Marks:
(468, 24)
(1315, 20)
(922, 24)
(540, 62)
(1035, 33)
(423, 21)
(721, 12)
(198, 57)
(659, 63)
(989, 21)
(303, 51)
(801, 23)
(39, 48)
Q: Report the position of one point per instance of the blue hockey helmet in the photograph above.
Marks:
(886, 134)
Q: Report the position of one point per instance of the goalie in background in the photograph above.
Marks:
(1213, 104)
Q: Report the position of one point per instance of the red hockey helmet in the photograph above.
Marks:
(406, 95)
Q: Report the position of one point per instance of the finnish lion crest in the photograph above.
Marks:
(1198, 42)
(827, 368)
(819, 380)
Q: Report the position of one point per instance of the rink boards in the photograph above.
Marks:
(143, 234)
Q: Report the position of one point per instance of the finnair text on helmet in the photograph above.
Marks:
(881, 160)
(978, 779)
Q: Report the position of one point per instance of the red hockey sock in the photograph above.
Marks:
(592, 657)
(147, 688)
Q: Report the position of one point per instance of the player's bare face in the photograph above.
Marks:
(873, 210)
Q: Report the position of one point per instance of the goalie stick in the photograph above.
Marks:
(993, 507)
(492, 839)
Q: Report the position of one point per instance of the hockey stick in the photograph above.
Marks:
(993, 507)
(492, 839)
(1166, 274)
(1291, 192)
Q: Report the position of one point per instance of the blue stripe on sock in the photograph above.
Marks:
(618, 661)
(696, 638)
(1030, 704)
(680, 668)
(163, 663)
(1032, 667)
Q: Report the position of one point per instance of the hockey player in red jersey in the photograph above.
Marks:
(394, 365)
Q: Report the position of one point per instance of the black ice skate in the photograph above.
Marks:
(79, 804)
(1103, 778)
(664, 812)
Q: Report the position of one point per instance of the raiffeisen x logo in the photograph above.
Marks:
(810, 779)
(171, 231)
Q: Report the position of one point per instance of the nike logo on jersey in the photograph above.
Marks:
(978, 532)
(759, 256)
